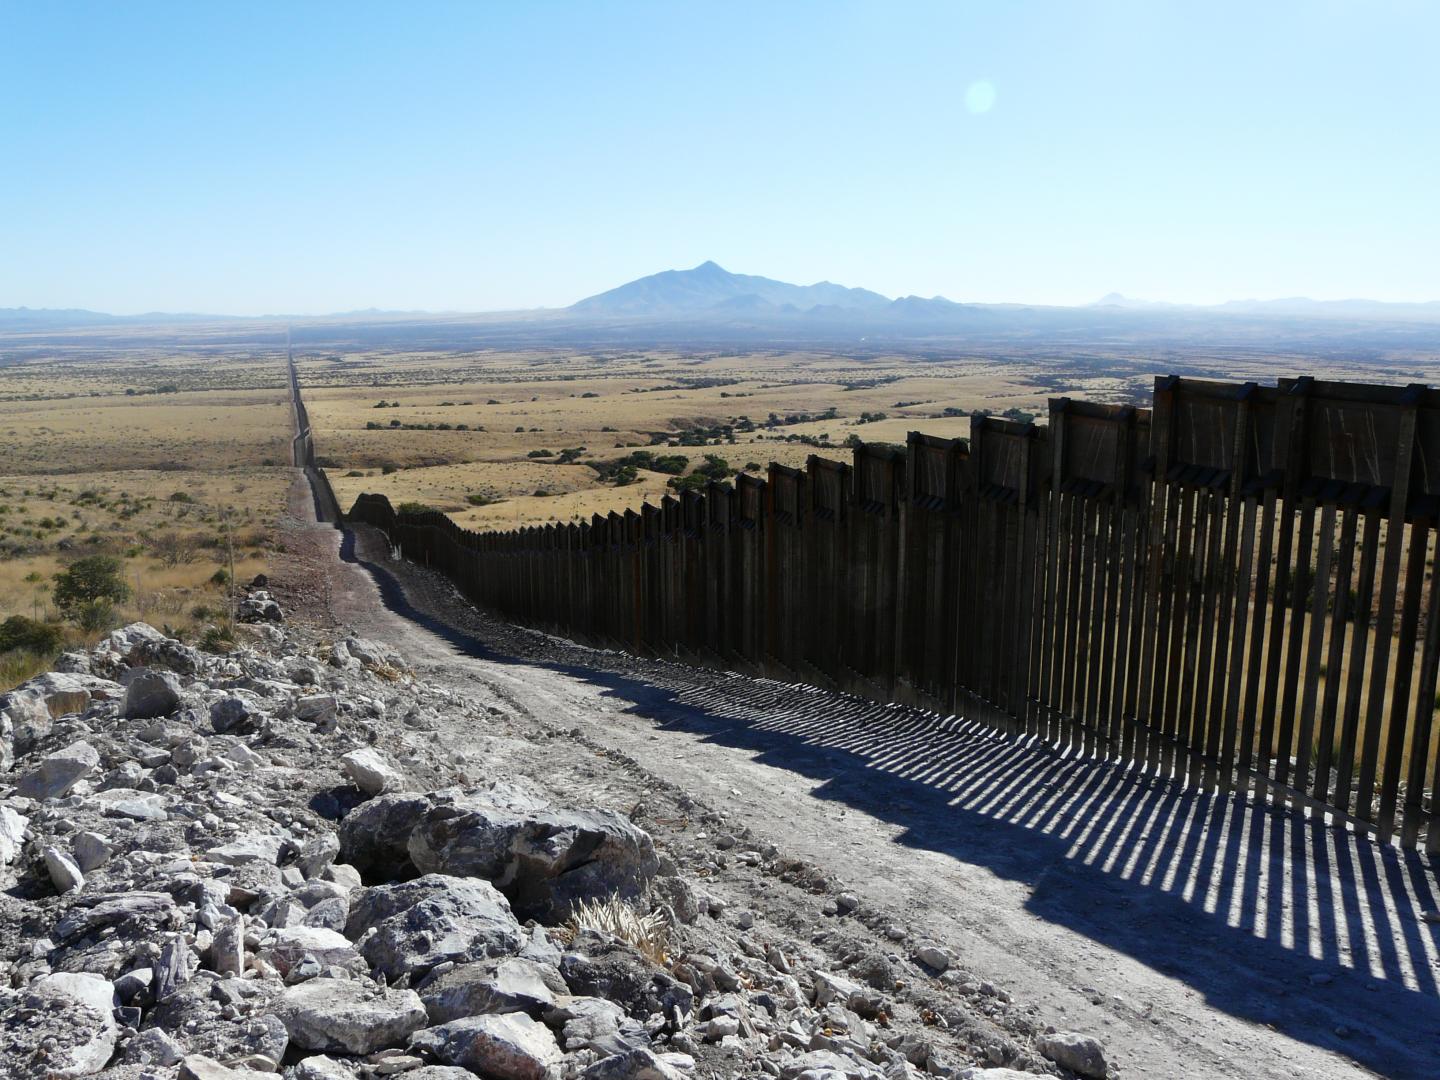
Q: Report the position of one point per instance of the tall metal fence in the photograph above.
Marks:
(302, 453)
(1233, 589)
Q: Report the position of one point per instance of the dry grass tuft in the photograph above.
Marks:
(648, 933)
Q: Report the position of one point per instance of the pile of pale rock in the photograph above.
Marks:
(208, 871)
(259, 606)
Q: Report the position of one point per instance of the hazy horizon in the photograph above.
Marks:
(458, 158)
(1139, 302)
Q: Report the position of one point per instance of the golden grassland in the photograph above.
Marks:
(499, 409)
(170, 481)
(460, 427)
(192, 430)
(44, 369)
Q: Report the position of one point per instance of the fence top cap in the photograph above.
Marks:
(815, 461)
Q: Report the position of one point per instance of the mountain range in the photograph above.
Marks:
(712, 301)
(1290, 306)
(711, 291)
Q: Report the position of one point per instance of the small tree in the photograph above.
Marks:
(89, 582)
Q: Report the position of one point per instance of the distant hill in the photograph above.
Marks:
(711, 288)
(709, 303)
(1294, 307)
(40, 318)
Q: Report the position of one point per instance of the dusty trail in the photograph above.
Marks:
(1193, 936)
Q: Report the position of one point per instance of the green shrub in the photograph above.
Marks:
(95, 616)
(93, 579)
(18, 632)
(218, 638)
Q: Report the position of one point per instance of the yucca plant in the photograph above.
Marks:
(649, 933)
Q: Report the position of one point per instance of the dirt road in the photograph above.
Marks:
(1194, 936)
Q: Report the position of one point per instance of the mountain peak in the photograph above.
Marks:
(710, 288)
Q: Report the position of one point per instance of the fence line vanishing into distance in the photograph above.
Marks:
(1233, 589)
(302, 448)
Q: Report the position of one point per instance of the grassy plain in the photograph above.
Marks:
(474, 425)
(459, 428)
(168, 462)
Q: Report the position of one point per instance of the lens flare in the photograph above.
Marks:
(980, 97)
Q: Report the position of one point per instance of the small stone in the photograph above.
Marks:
(395, 1062)
(934, 957)
(372, 772)
(200, 1067)
(318, 853)
(227, 948)
(302, 951)
(329, 914)
(150, 694)
(12, 835)
(233, 713)
(57, 774)
(131, 804)
(342, 874)
(91, 850)
(716, 1028)
(510, 984)
(346, 1016)
(64, 874)
(322, 1067)
(318, 709)
(508, 1047)
(152, 1047)
(1078, 1053)
(261, 848)
(636, 1064)
(134, 986)
(846, 903)
(173, 967)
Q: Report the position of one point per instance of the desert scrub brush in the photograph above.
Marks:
(649, 933)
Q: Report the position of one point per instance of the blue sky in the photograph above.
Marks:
(314, 157)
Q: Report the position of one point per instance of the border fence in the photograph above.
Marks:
(302, 451)
(1233, 589)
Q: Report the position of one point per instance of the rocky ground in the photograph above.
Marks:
(301, 857)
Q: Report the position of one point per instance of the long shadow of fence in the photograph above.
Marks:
(1274, 918)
